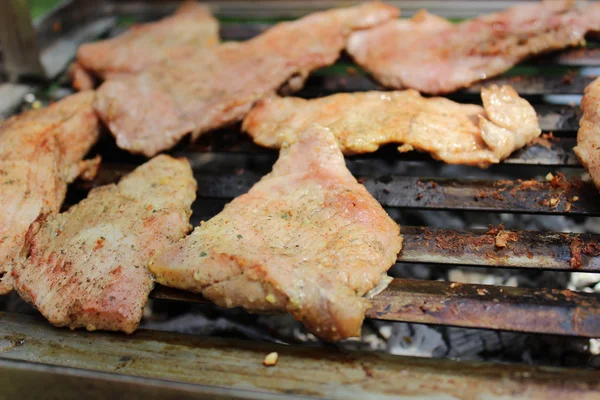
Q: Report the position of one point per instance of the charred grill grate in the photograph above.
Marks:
(549, 311)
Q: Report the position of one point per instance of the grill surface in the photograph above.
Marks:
(217, 362)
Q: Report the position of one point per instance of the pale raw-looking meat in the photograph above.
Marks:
(190, 29)
(588, 137)
(361, 122)
(432, 55)
(307, 239)
(41, 151)
(86, 268)
(153, 110)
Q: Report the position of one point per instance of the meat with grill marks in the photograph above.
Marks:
(87, 267)
(189, 30)
(432, 55)
(588, 137)
(361, 122)
(307, 239)
(41, 151)
(151, 111)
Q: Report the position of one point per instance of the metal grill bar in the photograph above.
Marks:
(560, 312)
(518, 249)
(318, 372)
(557, 152)
(573, 197)
(558, 118)
(535, 197)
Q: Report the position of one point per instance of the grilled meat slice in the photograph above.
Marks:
(81, 78)
(192, 27)
(307, 239)
(361, 122)
(153, 110)
(41, 151)
(588, 137)
(432, 55)
(87, 267)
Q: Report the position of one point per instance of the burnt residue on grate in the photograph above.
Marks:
(517, 196)
(501, 248)
(485, 306)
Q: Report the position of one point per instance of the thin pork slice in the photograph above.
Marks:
(432, 55)
(151, 111)
(87, 267)
(190, 29)
(307, 239)
(588, 137)
(41, 151)
(361, 122)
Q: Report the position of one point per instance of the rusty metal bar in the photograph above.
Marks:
(485, 195)
(556, 197)
(170, 358)
(536, 197)
(552, 311)
(560, 312)
(500, 248)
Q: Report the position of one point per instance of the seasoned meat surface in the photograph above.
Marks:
(87, 267)
(588, 137)
(361, 122)
(307, 239)
(41, 151)
(432, 55)
(153, 110)
(191, 28)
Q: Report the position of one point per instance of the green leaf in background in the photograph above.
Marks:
(39, 7)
